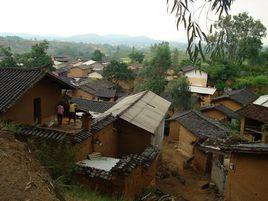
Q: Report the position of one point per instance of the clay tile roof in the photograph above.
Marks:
(14, 82)
(241, 96)
(200, 125)
(186, 69)
(53, 134)
(105, 93)
(99, 124)
(44, 133)
(256, 112)
(223, 109)
(92, 105)
(129, 162)
(257, 148)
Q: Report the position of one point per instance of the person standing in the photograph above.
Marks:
(60, 111)
(72, 112)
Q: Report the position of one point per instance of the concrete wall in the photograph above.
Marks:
(249, 179)
(23, 110)
(132, 139)
(228, 103)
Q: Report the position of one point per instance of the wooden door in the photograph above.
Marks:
(37, 110)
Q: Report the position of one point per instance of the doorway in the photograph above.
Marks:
(37, 110)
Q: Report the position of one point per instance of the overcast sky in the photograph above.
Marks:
(131, 17)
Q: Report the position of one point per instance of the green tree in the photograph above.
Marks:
(175, 58)
(188, 14)
(8, 59)
(153, 72)
(97, 55)
(221, 71)
(240, 37)
(37, 57)
(180, 93)
(136, 56)
(116, 71)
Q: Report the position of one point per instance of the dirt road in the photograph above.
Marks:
(184, 187)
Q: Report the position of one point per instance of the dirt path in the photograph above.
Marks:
(186, 187)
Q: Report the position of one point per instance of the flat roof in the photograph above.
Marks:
(101, 163)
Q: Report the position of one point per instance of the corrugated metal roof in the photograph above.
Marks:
(145, 110)
(202, 90)
(262, 100)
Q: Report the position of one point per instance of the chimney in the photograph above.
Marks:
(86, 121)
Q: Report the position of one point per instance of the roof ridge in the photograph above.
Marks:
(180, 114)
(132, 104)
(215, 123)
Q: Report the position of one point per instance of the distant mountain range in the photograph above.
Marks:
(112, 39)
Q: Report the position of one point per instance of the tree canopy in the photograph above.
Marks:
(153, 72)
(188, 14)
(37, 57)
(240, 37)
(180, 93)
(136, 56)
(97, 55)
(8, 59)
(116, 71)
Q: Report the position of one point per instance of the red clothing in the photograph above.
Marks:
(60, 109)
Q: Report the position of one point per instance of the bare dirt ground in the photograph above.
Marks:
(22, 178)
(186, 186)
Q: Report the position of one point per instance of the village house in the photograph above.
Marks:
(117, 152)
(83, 69)
(204, 94)
(60, 60)
(219, 161)
(93, 107)
(247, 178)
(100, 90)
(254, 117)
(235, 100)
(191, 128)
(30, 96)
(195, 76)
(95, 75)
(220, 113)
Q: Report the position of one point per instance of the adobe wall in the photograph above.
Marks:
(132, 139)
(23, 110)
(218, 174)
(83, 150)
(174, 130)
(134, 183)
(214, 114)
(186, 141)
(228, 103)
(121, 185)
(78, 93)
(109, 141)
(249, 179)
(202, 161)
(77, 72)
(197, 81)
